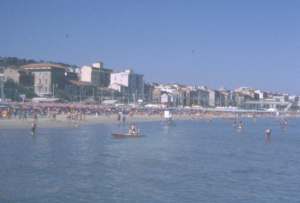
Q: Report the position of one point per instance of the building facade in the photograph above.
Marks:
(130, 84)
(96, 74)
(47, 78)
(211, 98)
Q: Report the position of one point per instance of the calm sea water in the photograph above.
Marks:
(194, 161)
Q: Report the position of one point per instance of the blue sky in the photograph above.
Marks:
(216, 43)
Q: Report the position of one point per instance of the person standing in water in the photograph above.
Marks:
(34, 123)
(268, 133)
(241, 125)
(119, 117)
(33, 127)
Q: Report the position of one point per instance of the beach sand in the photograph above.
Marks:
(62, 121)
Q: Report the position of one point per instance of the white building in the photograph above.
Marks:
(95, 74)
(166, 98)
(211, 98)
(261, 94)
(89, 74)
(130, 84)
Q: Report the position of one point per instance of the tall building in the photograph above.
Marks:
(148, 92)
(130, 84)
(220, 98)
(211, 98)
(47, 77)
(89, 74)
(199, 97)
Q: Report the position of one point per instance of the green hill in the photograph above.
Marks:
(17, 62)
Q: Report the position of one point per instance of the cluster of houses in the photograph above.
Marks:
(243, 97)
(95, 83)
(87, 83)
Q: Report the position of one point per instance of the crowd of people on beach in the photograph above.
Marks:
(78, 111)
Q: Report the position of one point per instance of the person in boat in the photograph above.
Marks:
(133, 131)
(268, 133)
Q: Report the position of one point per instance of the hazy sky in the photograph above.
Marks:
(216, 43)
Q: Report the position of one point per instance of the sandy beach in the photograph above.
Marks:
(62, 121)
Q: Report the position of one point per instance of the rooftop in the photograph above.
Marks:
(43, 66)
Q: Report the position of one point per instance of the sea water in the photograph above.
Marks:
(192, 161)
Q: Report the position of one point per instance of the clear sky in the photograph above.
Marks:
(215, 43)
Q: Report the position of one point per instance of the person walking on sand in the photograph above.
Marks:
(119, 117)
(123, 118)
(35, 117)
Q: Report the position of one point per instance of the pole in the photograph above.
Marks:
(2, 89)
(53, 90)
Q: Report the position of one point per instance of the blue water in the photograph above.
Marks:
(194, 161)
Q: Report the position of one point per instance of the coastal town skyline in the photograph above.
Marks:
(224, 44)
(48, 81)
(74, 66)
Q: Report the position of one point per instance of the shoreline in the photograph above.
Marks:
(62, 122)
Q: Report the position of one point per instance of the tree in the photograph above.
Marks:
(13, 91)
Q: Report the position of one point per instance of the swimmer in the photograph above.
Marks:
(268, 133)
(240, 125)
